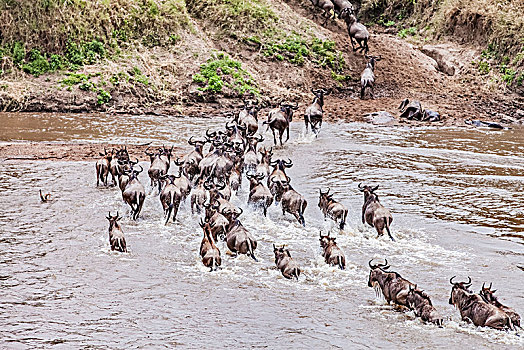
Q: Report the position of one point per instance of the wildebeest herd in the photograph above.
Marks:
(210, 178)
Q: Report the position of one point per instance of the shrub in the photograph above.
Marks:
(221, 71)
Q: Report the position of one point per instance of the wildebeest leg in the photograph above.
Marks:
(274, 136)
(362, 92)
(175, 211)
(265, 210)
(280, 135)
(389, 232)
(306, 121)
(366, 46)
(287, 132)
(352, 44)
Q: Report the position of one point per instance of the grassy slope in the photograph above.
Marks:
(133, 54)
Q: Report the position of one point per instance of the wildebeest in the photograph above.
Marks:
(249, 116)
(374, 213)
(170, 196)
(332, 209)
(331, 251)
(367, 79)
(413, 111)
(192, 159)
(208, 250)
(293, 202)
(474, 309)
(285, 263)
(420, 303)
(116, 235)
(160, 162)
(102, 167)
(489, 296)
(314, 112)
(278, 178)
(341, 5)
(264, 161)
(123, 178)
(357, 31)
(325, 5)
(134, 193)
(279, 120)
(259, 195)
(394, 288)
(239, 240)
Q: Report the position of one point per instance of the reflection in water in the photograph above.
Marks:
(455, 194)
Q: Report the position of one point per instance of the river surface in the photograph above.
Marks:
(456, 194)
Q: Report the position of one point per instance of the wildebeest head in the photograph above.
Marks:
(376, 270)
(280, 252)
(132, 173)
(288, 109)
(372, 61)
(487, 294)
(417, 296)
(458, 289)
(324, 198)
(113, 220)
(319, 95)
(326, 240)
(368, 191)
(281, 164)
(169, 179)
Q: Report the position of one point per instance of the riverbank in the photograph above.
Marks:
(206, 70)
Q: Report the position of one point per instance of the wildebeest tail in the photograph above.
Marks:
(301, 211)
(296, 272)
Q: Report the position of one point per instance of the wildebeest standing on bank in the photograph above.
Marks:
(474, 309)
(374, 213)
(394, 287)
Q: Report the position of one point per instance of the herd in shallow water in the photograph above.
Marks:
(210, 178)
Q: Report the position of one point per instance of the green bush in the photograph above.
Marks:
(103, 96)
(296, 49)
(37, 64)
(221, 71)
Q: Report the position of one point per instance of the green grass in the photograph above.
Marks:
(221, 71)
(403, 33)
(296, 49)
(103, 96)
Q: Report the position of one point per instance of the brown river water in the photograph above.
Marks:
(456, 194)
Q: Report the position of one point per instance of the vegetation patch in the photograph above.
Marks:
(220, 71)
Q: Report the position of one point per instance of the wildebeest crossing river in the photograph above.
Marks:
(456, 196)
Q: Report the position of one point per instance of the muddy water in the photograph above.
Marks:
(456, 196)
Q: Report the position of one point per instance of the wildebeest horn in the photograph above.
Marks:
(259, 176)
(451, 279)
(178, 162)
(141, 169)
(372, 266)
(483, 283)
(229, 127)
(210, 133)
(239, 211)
(242, 126)
(109, 217)
(190, 141)
(469, 281)
(202, 224)
(288, 164)
(375, 188)
(490, 284)
(295, 107)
